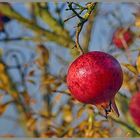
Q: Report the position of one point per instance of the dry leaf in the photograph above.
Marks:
(138, 63)
(31, 124)
(31, 73)
(2, 67)
(137, 22)
(80, 112)
(31, 81)
(130, 68)
(2, 109)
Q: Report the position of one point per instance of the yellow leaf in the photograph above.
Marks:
(90, 121)
(43, 56)
(137, 22)
(138, 63)
(3, 107)
(130, 68)
(2, 67)
(80, 112)
(31, 124)
(1, 51)
(67, 114)
(31, 81)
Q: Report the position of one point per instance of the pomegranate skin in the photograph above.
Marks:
(134, 108)
(126, 34)
(94, 78)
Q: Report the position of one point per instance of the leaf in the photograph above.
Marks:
(1, 52)
(2, 67)
(130, 68)
(48, 134)
(123, 103)
(44, 53)
(67, 113)
(3, 108)
(31, 81)
(137, 22)
(31, 124)
(90, 121)
(138, 63)
(31, 73)
(80, 112)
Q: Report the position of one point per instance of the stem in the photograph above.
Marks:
(125, 125)
(62, 92)
(88, 32)
(90, 7)
(71, 8)
(78, 31)
(73, 16)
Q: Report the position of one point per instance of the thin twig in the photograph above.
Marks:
(123, 123)
(83, 20)
(126, 125)
(73, 16)
(70, 6)
(63, 92)
(78, 31)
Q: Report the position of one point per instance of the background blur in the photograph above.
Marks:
(36, 48)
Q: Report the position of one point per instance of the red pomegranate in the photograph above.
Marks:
(134, 108)
(94, 78)
(122, 37)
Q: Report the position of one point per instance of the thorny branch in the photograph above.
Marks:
(89, 7)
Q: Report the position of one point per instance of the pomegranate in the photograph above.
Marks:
(94, 78)
(134, 108)
(122, 38)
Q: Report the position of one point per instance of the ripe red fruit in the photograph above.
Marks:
(94, 78)
(122, 37)
(134, 108)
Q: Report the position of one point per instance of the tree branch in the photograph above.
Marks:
(46, 16)
(89, 27)
(51, 36)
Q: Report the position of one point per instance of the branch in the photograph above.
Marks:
(51, 36)
(62, 92)
(89, 27)
(46, 16)
(73, 10)
(78, 31)
(89, 7)
(12, 91)
(125, 125)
